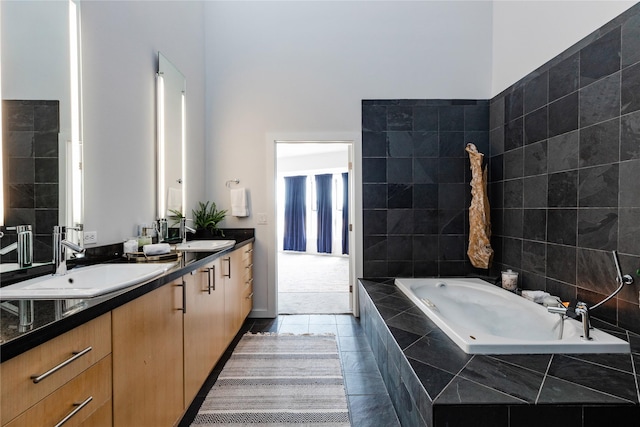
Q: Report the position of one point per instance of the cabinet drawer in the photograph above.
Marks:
(18, 390)
(247, 254)
(92, 386)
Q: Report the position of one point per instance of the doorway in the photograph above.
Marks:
(313, 262)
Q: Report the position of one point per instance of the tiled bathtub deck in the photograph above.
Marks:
(432, 382)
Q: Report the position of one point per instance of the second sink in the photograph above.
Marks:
(205, 245)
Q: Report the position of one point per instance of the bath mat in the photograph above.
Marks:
(278, 380)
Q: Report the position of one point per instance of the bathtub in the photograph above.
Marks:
(482, 318)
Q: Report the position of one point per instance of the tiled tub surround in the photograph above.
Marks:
(565, 171)
(564, 167)
(432, 382)
(30, 135)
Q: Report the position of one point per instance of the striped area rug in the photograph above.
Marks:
(279, 380)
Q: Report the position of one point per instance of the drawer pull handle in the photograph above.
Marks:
(249, 266)
(250, 295)
(229, 268)
(78, 406)
(248, 282)
(76, 354)
(248, 251)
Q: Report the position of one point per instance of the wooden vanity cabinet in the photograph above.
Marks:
(142, 363)
(246, 297)
(148, 359)
(72, 367)
(203, 327)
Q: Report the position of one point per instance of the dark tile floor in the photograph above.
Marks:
(369, 402)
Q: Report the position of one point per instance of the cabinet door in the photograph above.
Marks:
(203, 327)
(148, 359)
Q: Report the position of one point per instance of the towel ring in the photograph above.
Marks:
(232, 181)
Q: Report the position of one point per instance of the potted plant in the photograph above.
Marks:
(206, 219)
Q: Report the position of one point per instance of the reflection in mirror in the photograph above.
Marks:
(171, 92)
(41, 183)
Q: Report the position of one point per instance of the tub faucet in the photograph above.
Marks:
(24, 245)
(580, 310)
(60, 245)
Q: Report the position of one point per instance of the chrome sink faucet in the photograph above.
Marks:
(581, 309)
(24, 245)
(184, 228)
(60, 245)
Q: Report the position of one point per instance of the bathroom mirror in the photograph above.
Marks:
(171, 92)
(41, 132)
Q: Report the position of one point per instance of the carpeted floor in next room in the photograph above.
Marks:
(367, 398)
(312, 283)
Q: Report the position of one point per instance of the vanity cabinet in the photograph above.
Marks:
(237, 274)
(142, 363)
(246, 297)
(204, 320)
(68, 374)
(148, 358)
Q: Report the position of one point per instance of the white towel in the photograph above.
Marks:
(156, 249)
(535, 296)
(239, 202)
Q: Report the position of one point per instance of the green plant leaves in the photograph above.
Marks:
(207, 217)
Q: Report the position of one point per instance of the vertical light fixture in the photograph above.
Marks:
(162, 210)
(76, 129)
(184, 153)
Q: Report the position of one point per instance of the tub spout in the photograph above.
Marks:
(580, 310)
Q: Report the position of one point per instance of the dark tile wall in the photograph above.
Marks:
(565, 171)
(564, 178)
(30, 159)
(416, 179)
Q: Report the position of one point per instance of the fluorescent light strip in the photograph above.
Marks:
(184, 155)
(76, 149)
(161, 194)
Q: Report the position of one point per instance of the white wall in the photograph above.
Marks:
(527, 34)
(120, 44)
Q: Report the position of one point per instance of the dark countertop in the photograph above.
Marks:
(48, 328)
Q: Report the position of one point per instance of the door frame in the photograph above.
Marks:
(355, 209)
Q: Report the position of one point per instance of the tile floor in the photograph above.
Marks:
(369, 402)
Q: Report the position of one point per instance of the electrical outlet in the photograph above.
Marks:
(262, 218)
(90, 237)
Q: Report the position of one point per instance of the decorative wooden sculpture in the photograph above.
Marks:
(480, 252)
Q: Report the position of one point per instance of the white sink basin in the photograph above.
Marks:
(84, 282)
(205, 245)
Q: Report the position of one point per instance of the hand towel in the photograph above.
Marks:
(239, 202)
(156, 249)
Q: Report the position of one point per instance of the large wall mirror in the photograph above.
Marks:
(171, 87)
(41, 122)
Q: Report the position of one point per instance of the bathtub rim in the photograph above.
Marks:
(602, 342)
